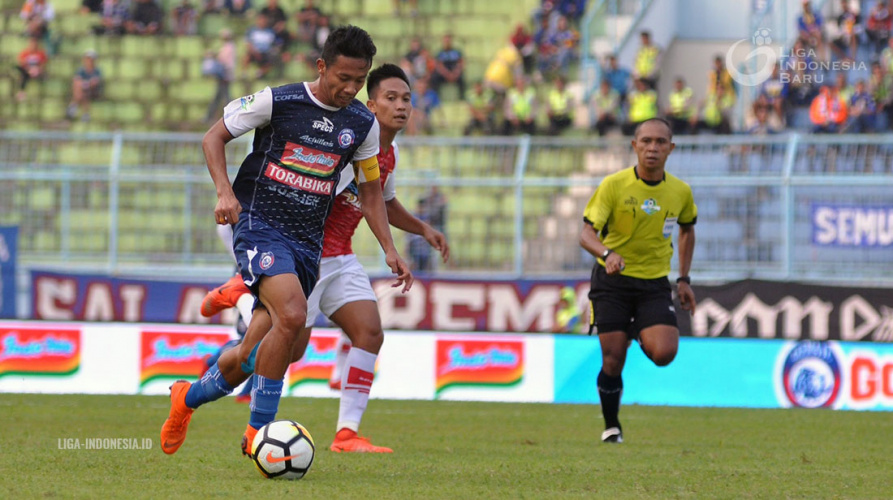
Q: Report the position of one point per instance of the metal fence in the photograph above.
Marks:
(142, 204)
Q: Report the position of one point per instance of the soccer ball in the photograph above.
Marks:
(762, 37)
(283, 450)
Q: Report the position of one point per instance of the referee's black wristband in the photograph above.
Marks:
(684, 278)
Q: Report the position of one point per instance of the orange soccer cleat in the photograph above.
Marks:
(247, 439)
(347, 441)
(173, 432)
(224, 296)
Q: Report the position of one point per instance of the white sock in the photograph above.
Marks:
(342, 347)
(245, 304)
(356, 382)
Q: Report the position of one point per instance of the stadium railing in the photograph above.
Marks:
(123, 203)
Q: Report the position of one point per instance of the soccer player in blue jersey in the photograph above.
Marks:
(305, 134)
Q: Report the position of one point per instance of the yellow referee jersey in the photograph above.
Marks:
(636, 220)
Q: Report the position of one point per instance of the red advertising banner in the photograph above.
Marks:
(39, 350)
(475, 362)
(176, 355)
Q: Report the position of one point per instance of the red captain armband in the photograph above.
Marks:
(367, 170)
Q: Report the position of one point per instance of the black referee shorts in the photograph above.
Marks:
(627, 304)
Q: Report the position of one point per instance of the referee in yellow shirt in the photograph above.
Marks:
(628, 226)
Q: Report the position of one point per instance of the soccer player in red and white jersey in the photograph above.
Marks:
(343, 292)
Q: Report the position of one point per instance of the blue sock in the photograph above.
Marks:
(265, 394)
(211, 387)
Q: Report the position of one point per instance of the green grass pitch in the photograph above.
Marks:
(450, 450)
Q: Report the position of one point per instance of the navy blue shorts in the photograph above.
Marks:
(627, 304)
(264, 251)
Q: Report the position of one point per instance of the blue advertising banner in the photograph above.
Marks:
(9, 237)
(86, 297)
(853, 226)
(748, 373)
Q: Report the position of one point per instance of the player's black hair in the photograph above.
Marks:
(382, 73)
(655, 119)
(348, 41)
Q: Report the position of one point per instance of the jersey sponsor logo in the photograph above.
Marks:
(246, 102)
(319, 141)
(811, 375)
(299, 181)
(346, 138)
(266, 260)
(632, 200)
(309, 160)
(324, 125)
(288, 97)
(650, 206)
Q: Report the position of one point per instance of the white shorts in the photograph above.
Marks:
(342, 280)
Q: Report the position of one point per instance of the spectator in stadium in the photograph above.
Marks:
(520, 109)
(282, 47)
(308, 21)
(559, 50)
(719, 75)
(146, 18)
(32, 62)
(418, 60)
(115, 14)
(222, 68)
(568, 317)
(523, 42)
(37, 15)
(317, 42)
(843, 87)
(573, 10)
(647, 65)
(618, 76)
(503, 70)
(449, 67)
(642, 106)
(560, 104)
(775, 90)
(86, 87)
(480, 110)
(880, 86)
(886, 57)
(606, 108)
(762, 120)
(716, 112)
(432, 211)
(682, 107)
(261, 39)
(183, 19)
(425, 102)
(275, 14)
(849, 30)
(799, 70)
(810, 27)
(237, 8)
(828, 111)
(862, 110)
(630, 294)
(91, 7)
(879, 25)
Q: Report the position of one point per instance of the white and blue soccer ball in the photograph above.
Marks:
(283, 449)
(762, 36)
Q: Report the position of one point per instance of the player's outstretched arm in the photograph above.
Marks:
(214, 146)
(686, 250)
(377, 218)
(401, 218)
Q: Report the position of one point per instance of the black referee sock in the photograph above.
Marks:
(609, 391)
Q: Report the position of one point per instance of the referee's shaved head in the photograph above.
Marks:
(659, 120)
